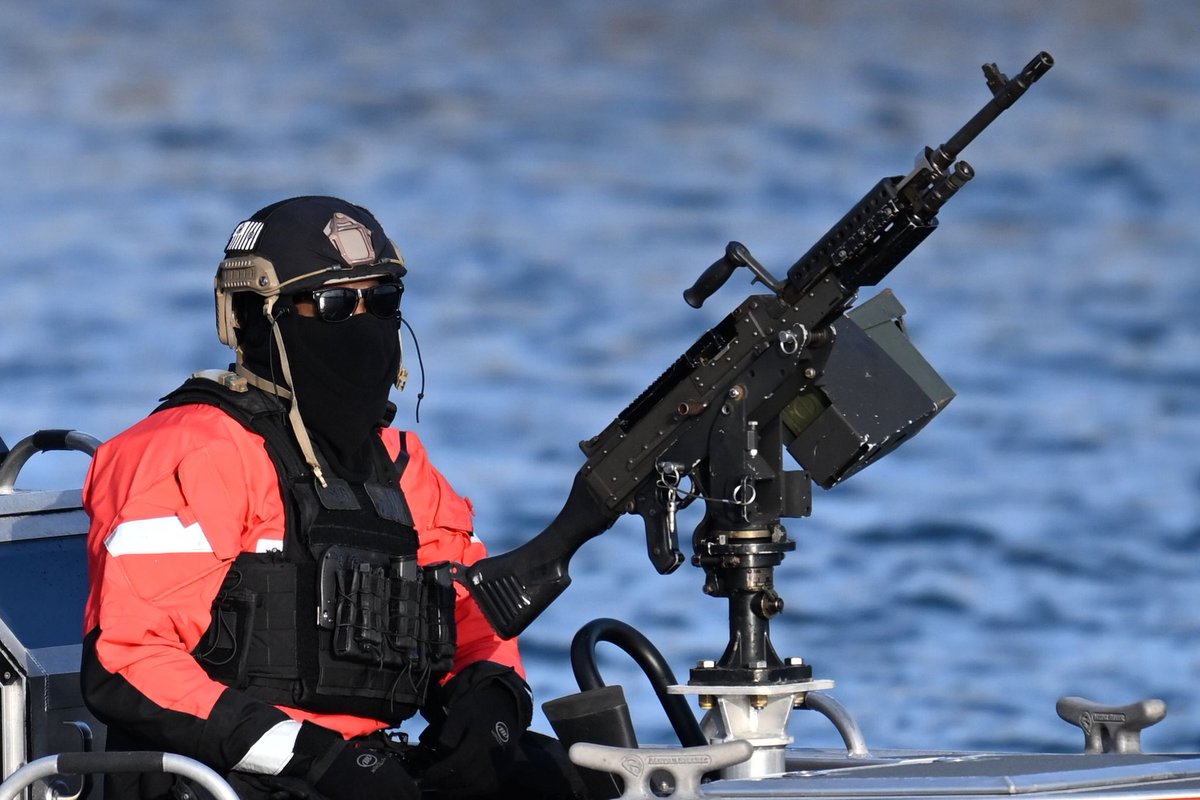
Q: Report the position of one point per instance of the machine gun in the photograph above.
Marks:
(791, 369)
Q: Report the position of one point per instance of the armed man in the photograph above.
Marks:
(269, 592)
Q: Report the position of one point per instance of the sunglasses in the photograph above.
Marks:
(338, 303)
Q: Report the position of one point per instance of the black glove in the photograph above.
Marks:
(343, 770)
(487, 708)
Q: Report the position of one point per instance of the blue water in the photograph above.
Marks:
(556, 174)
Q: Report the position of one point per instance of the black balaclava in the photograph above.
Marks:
(341, 375)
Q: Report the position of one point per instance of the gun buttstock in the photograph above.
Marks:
(514, 588)
(510, 594)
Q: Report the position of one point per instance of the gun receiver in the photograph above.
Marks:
(789, 369)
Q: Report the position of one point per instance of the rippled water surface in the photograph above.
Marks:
(556, 174)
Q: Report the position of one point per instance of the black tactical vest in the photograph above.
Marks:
(341, 620)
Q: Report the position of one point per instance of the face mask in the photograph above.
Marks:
(341, 375)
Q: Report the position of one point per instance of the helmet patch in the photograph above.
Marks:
(351, 238)
(245, 236)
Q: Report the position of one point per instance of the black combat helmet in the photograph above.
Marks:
(297, 244)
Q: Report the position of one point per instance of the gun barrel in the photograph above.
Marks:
(1003, 96)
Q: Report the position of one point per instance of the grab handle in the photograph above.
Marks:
(41, 442)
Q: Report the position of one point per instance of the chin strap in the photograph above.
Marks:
(294, 419)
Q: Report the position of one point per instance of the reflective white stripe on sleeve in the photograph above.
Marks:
(273, 750)
(157, 535)
(268, 545)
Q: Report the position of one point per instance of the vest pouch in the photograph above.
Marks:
(406, 624)
(253, 617)
(371, 602)
(355, 589)
(361, 666)
(437, 615)
(225, 646)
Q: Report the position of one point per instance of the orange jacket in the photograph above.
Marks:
(173, 501)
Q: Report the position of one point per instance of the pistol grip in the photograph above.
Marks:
(662, 539)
